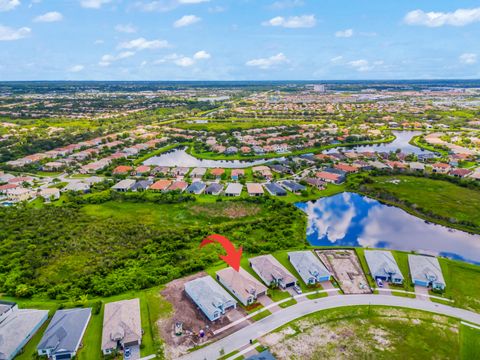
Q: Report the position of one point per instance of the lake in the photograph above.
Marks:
(349, 219)
(181, 158)
(402, 142)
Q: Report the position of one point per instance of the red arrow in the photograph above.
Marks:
(233, 256)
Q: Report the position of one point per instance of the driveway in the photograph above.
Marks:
(420, 292)
(327, 285)
(272, 322)
(135, 353)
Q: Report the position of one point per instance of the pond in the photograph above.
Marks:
(402, 142)
(349, 219)
(181, 158)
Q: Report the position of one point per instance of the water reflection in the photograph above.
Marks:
(402, 142)
(183, 159)
(350, 219)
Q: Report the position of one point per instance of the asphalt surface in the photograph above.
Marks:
(277, 319)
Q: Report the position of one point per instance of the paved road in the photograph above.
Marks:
(270, 323)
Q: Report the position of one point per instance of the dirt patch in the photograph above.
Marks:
(193, 320)
(345, 267)
(231, 210)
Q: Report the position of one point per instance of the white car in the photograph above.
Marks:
(297, 289)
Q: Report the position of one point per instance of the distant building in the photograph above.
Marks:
(196, 188)
(383, 266)
(64, 334)
(275, 190)
(426, 271)
(210, 297)
(293, 186)
(124, 185)
(233, 189)
(214, 189)
(309, 267)
(254, 189)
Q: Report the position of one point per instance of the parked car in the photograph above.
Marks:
(380, 283)
(297, 289)
(127, 353)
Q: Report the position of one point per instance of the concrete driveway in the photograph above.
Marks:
(420, 292)
(135, 353)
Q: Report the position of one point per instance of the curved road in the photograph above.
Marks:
(256, 330)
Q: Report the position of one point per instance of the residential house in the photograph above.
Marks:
(441, 168)
(254, 189)
(426, 271)
(124, 185)
(77, 186)
(142, 185)
(417, 166)
(275, 189)
(319, 184)
(272, 272)
(122, 170)
(210, 297)
(50, 194)
(293, 186)
(196, 188)
(142, 170)
(461, 173)
(122, 325)
(309, 267)
(64, 334)
(180, 171)
(217, 172)
(233, 189)
(237, 174)
(178, 186)
(330, 177)
(160, 185)
(263, 171)
(346, 168)
(214, 189)
(17, 327)
(198, 173)
(241, 284)
(383, 266)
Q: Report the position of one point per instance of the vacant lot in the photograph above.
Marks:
(433, 198)
(374, 332)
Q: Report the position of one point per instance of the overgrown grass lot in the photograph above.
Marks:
(437, 200)
(113, 247)
(373, 332)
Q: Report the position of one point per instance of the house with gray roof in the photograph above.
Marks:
(233, 189)
(241, 284)
(426, 271)
(309, 267)
(64, 334)
(293, 186)
(77, 186)
(214, 189)
(124, 185)
(383, 266)
(196, 188)
(210, 297)
(198, 173)
(272, 272)
(122, 325)
(6, 308)
(275, 190)
(17, 329)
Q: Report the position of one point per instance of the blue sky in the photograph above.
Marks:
(238, 39)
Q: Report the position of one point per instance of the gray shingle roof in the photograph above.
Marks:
(382, 263)
(65, 330)
(307, 265)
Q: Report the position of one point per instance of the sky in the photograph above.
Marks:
(239, 39)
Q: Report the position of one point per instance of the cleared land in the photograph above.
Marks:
(374, 332)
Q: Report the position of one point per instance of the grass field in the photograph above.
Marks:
(374, 332)
(469, 342)
(432, 198)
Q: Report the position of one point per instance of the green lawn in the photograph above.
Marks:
(373, 332)
(469, 343)
(437, 200)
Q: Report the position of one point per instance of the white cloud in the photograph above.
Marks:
(344, 33)
(93, 4)
(266, 63)
(460, 17)
(106, 60)
(143, 44)
(11, 34)
(336, 59)
(52, 16)
(292, 22)
(126, 28)
(285, 4)
(165, 5)
(76, 68)
(184, 61)
(201, 55)
(468, 58)
(99, 42)
(186, 20)
(7, 5)
(361, 65)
